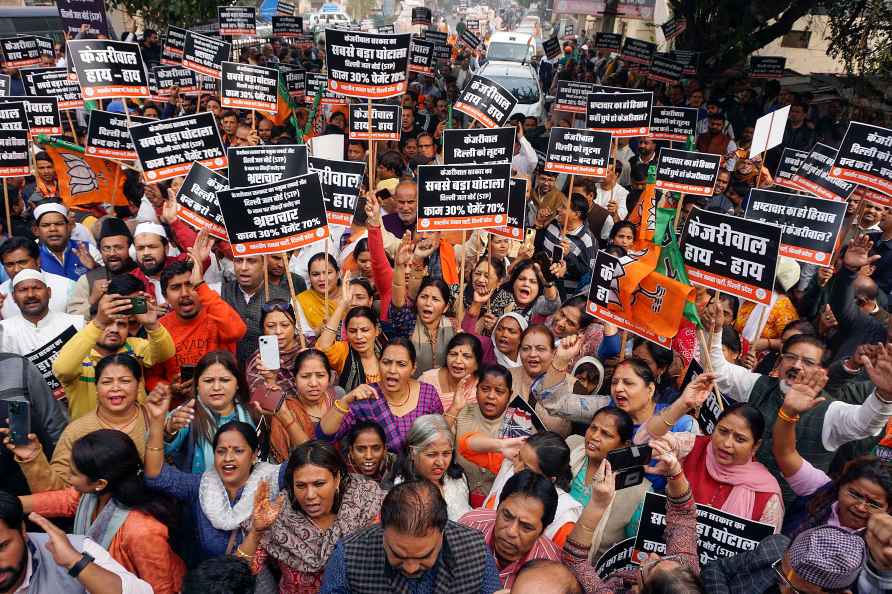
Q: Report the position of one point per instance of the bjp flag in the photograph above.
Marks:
(644, 215)
(285, 106)
(87, 180)
(658, 303)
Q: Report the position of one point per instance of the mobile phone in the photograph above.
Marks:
(628, 477)
(187, 372)
(383, 194)
(557, 254)
(138, 305)
(530, 237)
(270, 400)
(359, 215)
(19, 421)
(629, 457)
(269, 352)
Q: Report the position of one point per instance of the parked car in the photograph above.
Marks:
(521, 81)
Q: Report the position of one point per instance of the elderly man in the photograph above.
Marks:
(20, 253)
(406, 213)
(414, 549)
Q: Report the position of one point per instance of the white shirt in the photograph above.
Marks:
(19, 336)
(146, 212)
(61, 289)
(299, 263)
(602, 199)
(526, 159)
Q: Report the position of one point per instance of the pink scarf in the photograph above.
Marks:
(746, 480)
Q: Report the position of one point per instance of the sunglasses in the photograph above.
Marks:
(776, 566)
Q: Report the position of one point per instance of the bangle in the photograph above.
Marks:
(884, 399)
(332, 330)
(558, 369)
(677, 475)
(785, 417)
(339, 404)
(240, 553)
(448, 416)
(665, 422)
(153, 449)
(27, 460)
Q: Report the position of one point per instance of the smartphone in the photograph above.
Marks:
(629, 457)
(271, 400)
(628, 477)
(557, 254)
(187, 373)
(269, 352)
(530, 237)
(359, 215)
(19, 421)
(138, 305)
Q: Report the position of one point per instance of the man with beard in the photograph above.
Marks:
(404, 218)
(151, 244)
(59, 254)
(17, 254)
(107, 334)
(647, 153)
(114, 244)
(199, 322)
(53, 561)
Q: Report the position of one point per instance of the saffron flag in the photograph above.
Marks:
(644, 215)
(671, 262)
(285, 106)
(85, 180)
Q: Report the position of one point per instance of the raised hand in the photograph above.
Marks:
(805, 392)
(83, 254)
(361, 392)
(510, 447)
(858, 253)
(713, 318)
(567, 349)
(880, 371)
(265, 511)
(158, 402)
(373, 210)
(696, 392)
(181, 417)
(169, 211)
(664, 454)
(879, 540)
(603, 483)
(405, 251)
(63, 552)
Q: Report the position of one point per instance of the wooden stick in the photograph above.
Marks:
(759, 173)
(254, 120)
(370, 152)
(460, 313)
(707, 363)
(265, 279)
(198, 100)
(624, 338)
(569, 202)
(327, 289)
(8, 209)
(294, 303)
(71, 125)
(678, 209)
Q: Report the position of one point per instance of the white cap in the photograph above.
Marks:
(152, 228)
(50, 207)
(28, 274)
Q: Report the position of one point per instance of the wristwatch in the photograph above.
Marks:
(78, 567)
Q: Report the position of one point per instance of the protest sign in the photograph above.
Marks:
(4, 84)
(616, 558)
(197, 199)
(811, 225)
(608, 41)
(340, 187)
(636, 51)
(42, 358)
(436, 37)
(572, 96)
(386, 122)
(578, 152)
(167, 148)
(731, 254)
(287, 26)
(43, 113)
(769, 131)
(172, 49)
(568, 29)
(481, 145)
(469, 39)
(285, 8)
(295, 81)
(245, 86)
(687, 172)
(520, 420)
(689, 58)
(865, 157)
(367, 65)
(265, 163)
(14, 159)
(486, 101)
(107, 69)
(624, 115)
(665, 70)
(813, 175)
(719, 534)
(875, 197)
(75, 13)
(317, 80)
(673, 123)
(674, 27)
(168, 78)
(463, 197)
(473, 25)
(421, 56)
(789, 164)
(552, 47)
(19, 52)
(388, 29)
(54, 82)
(274, 218)
(45, 47)
(517, 206)
(108, 136)
(421, 16)
(767, 66)
(236, 21)
(205, 55)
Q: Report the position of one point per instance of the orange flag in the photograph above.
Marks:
(658, 303)
(87, 180)
(644, 216)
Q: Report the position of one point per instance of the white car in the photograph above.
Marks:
(505, 46)
(522, 82)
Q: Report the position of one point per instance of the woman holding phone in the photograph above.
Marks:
(277, 319)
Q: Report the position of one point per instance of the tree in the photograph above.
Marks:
(159, 14)
(861, 35)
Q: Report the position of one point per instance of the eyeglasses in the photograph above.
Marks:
(647, 566)
(792, 359)
(776, 566)
(866, 501)
(271, 306)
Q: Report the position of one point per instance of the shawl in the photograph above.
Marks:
(313, 306)
(427, 357)
(501, 358)
(384, 468)
(353, 374)
(103, 529)
(284, 375)
(295, 541)
(746, 480)
(214, 499)
(280, 443)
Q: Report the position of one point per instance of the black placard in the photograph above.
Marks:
(463, 196)
(4, 85)
(578, 152)
(167, 148)
(205, 55)
(552, 47)
(107, 69)
(169, 78)
(108, 137)
(687, 172)
(689, 58)
(473, 25)
(479, 145)
(572, 95)
(711, 410)
(19, 52)
(264, 164)
(665, 70)
(43, 358)
(43, 113)
(719, 534)
(340, 187)
(387, 29)
(624, 115)
(811, 225)
(287, 26)
(14, 161)
(436, 37)
(386, 122)
(674, 27)
(421, 16)
(317, 80)
(520, 420)
(486, 101)
(616, 558)
(245, 86)
(275, 218)
(673, 123)
(295, 81)
(469, 39)
(865, 157)
(517, 206)
(608, 41)
(54, 82)
(789, 164)
(731, 254)
(767, 66)
(636, 51)
(367, 65)
(75, 13)
(174, 43)
(236, 21)
(285, 8)
(813, 175)
(421, 56)
(197, 199)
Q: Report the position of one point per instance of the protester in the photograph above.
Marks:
(456, 381)
(20, 253)
(319, 301)
(366, 451)
(354, 359)
(59, 254)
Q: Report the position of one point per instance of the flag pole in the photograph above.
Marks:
(371, 151)
(71, 125)
(707, 362)
(460, 310)
(8, 209)
(569, 202)
(265, 279)
(624, 338)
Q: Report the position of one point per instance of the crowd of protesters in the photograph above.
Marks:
(374, 458)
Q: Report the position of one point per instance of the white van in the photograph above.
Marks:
(510, 46)
(318, 21)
